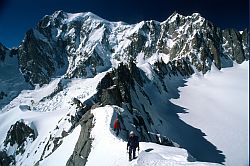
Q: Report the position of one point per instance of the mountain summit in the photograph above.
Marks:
(83, 44)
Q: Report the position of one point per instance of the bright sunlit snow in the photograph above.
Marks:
(217, 103)
(61, 155)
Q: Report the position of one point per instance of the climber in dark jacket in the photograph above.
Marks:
(133, 143)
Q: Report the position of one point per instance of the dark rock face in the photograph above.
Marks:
(174, 68)
(33, 61)
(108, 93)
(6, 160)
(3, 52)
(39, 58)
(235, 45)
(18, 134)
(111, 96)
(83, 145)
(2, 95)
(114, 88)
(245, 43)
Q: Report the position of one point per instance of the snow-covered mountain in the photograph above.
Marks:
(83, 44)
(73, 74)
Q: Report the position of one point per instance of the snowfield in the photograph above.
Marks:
(217, 103)
(62, 154)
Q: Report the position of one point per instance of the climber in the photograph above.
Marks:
(117, 126)
(133, 143)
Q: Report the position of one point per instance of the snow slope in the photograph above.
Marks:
(62, 154)
(217, 103)
(46, 115)
(109, 150)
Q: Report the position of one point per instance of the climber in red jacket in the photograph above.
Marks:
(117, 126)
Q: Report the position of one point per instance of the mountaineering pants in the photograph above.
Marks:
(131, 149)
(117, 131)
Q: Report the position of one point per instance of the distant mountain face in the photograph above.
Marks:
(11, 79)
(83, 44)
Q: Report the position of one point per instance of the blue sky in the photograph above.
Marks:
(17, 16)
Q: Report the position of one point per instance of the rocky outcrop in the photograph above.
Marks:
(234, 45)
(18, 134)
(6, 160)
(83, 145)
(18, 137)
(114, 88)
(174, 68)
(39, 58)
(123, 86)
(245, 43)
(2, 95)
(3, 52)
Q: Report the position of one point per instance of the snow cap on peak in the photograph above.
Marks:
(197, 19)
(196, 15)
(173, 17)
(83, 16)
(59, 14)
(68, 17)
